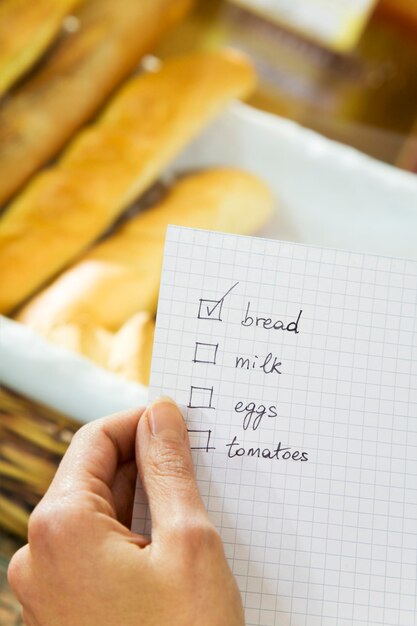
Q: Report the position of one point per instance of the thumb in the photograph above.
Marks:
(166, 468)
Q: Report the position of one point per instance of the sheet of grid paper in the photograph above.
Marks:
(296, 369)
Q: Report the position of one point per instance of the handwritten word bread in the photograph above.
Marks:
(26, 30)
(120, 276)
(64, 209)
(80, 71)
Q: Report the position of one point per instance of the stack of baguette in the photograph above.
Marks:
(96, 48)
(61, 272)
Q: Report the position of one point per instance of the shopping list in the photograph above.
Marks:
(296, 370)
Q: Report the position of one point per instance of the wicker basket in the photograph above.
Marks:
(33, 439)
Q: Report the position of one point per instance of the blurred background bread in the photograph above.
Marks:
(120, 276)
(127, 352)
(66, 207)
(131, 350)
(33, 26)
(98, 47)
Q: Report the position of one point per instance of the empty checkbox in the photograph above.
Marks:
(205, 352)
(201, 398)
(200, 440)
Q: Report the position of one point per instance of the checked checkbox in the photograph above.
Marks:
(212, 309)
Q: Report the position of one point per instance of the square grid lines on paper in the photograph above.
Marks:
(296, 370)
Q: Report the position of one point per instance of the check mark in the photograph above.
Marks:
(211, 309)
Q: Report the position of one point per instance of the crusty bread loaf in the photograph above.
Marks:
(67, 207)
(26, 30)
(75, 78)
(120, 276)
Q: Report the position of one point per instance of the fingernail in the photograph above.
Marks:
(165, 419)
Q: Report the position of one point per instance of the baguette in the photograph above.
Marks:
(67, 207)
(26, 30)
(120, 276)
(75, 78)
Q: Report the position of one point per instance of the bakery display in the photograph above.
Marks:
(101, 46)
(66, 207)
(87, 131)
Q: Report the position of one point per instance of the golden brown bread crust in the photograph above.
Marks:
(26, 30)
(74, 80)
(121, 275)
(65, 208)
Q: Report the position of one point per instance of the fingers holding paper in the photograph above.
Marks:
(102, 573)
(166, 468)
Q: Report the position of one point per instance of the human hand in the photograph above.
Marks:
(84, 567)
